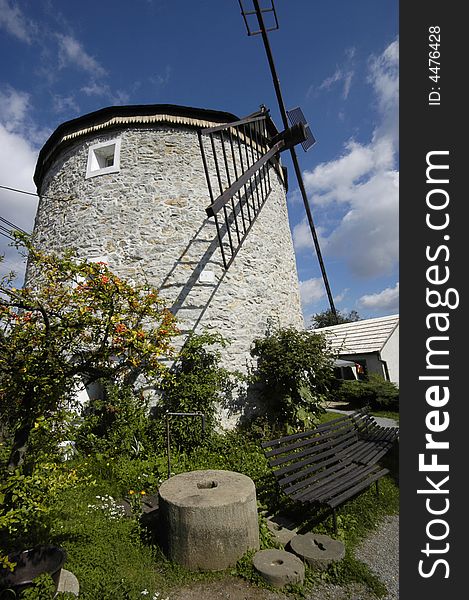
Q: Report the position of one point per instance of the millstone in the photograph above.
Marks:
(318, 550)
(278, 567)
(282, 534)
(208, 518)
(68, 583)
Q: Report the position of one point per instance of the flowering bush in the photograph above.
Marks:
(78, 320)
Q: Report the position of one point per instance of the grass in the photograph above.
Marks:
(116, 558)
(389, 414)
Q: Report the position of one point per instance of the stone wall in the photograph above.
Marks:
(148, 222)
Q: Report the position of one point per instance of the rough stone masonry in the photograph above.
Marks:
(147, 220)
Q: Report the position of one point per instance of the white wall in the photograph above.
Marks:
(390, 354)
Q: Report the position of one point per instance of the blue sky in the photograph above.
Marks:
(337, 60)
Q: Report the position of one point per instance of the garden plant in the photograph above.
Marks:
(79, 322)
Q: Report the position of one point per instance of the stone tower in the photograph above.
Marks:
(126, 185)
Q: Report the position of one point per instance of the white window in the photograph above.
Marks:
(103, 158)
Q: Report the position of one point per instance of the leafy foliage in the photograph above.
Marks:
(116, 424)
(42, 588)
(295, 369)
(327, 318)
(198, 384)
(26, 500)
(374, 391)
(79, 320)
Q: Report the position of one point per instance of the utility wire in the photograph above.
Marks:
(12, 225)
(3, 230)
(11, 189)
(7, 235)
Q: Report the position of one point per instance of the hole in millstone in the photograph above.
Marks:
(319, 545)
(279, 561)
(207, 485)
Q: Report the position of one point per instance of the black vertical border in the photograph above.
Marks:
(425, 128)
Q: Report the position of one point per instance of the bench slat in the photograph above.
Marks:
(358, 488)
(333, 462)
(312, 438)
(327, 480)
(314, 448)
(323, 426)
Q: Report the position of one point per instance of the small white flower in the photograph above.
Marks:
(145, 592)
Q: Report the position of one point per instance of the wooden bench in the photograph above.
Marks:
(332, 463)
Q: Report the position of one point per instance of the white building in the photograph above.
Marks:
(372, 343)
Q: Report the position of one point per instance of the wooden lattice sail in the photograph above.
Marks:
(237, 158)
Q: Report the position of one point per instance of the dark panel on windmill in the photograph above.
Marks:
(296, 116)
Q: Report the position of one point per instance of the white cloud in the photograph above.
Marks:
(341, 297)
(13, 21)
(162, 79)
(384, 76)
(104, 90)
(17, 162)
(73, 53)
(64, 104)
(342, 75)
(332, 181)
(302, 237)
(13, 108)
(15, 116)
(386, 300)
(367, 237)
(18, 157)
(311, 291)
(364, 183)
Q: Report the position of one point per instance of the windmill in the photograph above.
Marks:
(127, 185)
(242, 183)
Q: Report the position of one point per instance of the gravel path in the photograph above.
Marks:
(380, 552)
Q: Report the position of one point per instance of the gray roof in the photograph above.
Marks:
(359, 337)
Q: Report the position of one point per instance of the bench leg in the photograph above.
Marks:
(377, 487)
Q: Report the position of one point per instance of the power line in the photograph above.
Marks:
(11, 189)
(3, 230)
(12, 225)
(7, 235)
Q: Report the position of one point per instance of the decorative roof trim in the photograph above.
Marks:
(131, 115)
(140, 119)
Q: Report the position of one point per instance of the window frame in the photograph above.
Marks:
(92, 158)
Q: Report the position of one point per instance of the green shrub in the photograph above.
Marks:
(198, 384)
(295, 370)
(375, 392)
(42, 588)
(26, 501)
(115, 425)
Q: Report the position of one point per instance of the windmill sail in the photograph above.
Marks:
(237, 157)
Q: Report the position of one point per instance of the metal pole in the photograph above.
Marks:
(294, 158)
